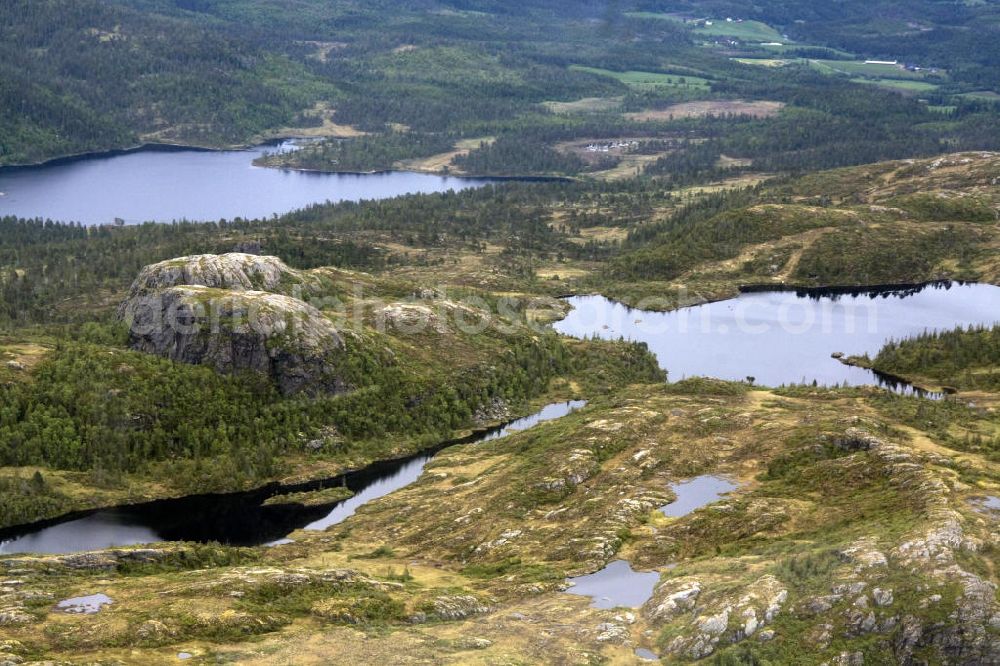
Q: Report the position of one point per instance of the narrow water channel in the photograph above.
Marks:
(240, 518)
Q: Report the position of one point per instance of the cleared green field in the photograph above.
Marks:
(655, 16)
(647, 79)
(860, 68)
(987, 95)
(895, 84)
(750, 31)
(764, 62)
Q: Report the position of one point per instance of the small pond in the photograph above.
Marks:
(696, 493)
(989, 503)
(616, 585)
(85, 605)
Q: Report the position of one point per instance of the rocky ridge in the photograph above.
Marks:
(236, 312)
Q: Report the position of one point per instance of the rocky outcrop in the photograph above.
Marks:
(93, 561)
(222, 311)
(719, 620)
(457, 607)
(235, 271)
(231, 331)
(868, 601)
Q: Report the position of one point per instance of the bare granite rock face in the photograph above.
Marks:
(237, 271)
(221, 311)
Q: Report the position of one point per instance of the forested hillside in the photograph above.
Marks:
(959, 36)
(964, 358)
(87, 75)
(886, 223)
(432, 80)
(318, 412)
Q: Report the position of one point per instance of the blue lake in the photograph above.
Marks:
(162, 185)
(785, 337)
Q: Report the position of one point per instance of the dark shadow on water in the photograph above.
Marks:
(868, 291)
(241, 519)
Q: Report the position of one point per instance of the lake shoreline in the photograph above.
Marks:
(307, 484)
(803, 290)
(848, 289)
(263, 490)
(161, 147)
(429, 172)
(608, 318)
(152, 147)
(167, 183)
(148, 146)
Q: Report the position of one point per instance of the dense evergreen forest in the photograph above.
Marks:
(421, 76)
(964, 358)
(88, 75)
(82, 412)
(541, 88)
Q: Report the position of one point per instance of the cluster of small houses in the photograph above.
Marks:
(608, 147)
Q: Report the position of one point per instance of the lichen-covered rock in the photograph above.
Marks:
(95, 561)
(502, 540)
(235, 271)
(232, 620)
(849, 659)
(243, 580)
(14, 616)
(495, 410)
(672, 598)
(457, 607)
(231, 331)
(882, 597)
(864, 554)
(856, 439)
(11, 646)
(609, 632)
(706, 620)
(153, 631)
(236, 312)
(474, 643)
